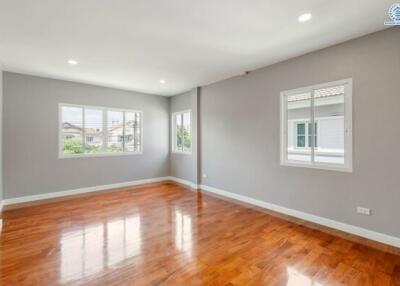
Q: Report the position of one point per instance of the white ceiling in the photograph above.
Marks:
(132, 44)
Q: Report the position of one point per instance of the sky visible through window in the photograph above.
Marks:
(74, 114)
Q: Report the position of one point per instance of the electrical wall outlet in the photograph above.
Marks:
(204, 175)
(363, 211)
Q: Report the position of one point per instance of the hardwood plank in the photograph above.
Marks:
(163, 234)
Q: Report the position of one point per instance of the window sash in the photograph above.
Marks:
(347, 166)
(105, 136)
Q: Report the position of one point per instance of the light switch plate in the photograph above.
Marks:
(363, 211)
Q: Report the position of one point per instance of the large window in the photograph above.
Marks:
(86, 130)
(181, 132)
(316, 126)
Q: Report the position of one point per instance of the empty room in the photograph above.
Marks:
(199, 142)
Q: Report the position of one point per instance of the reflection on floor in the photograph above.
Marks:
(164, 234)
(296, 278)
(98, 246)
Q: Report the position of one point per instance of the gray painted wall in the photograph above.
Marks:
(31, 164)
(1, 134)
(240, 134)
(184, 166)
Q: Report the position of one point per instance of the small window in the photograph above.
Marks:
(316, 126)
(304, 136)
(181, 132)
(301, 135)
(98, 130)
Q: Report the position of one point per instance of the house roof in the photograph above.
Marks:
(88, 131)
(93, 131)
(67, 125)
(323, 92)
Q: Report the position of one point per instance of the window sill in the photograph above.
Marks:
(182, 152)
(329, 167)
(91, 155)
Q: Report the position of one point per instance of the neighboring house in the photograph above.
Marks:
(116, 133)
(71, 131)
(94, 137)
(329, 126)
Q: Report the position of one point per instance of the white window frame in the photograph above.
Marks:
(62, 155)
(173, 132)
(348, 134)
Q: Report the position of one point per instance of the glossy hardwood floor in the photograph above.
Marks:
(164, 234)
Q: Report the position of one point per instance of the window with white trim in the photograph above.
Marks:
(303, 134)
(182, 132)
(316, 126)
(87, 130)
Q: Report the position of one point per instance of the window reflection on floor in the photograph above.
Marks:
(295, 278)
(90, 249)
(183, 232)
(123, 239)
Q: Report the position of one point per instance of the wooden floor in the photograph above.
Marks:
(164, 234)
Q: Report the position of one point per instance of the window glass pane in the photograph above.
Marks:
(329, 111)
(93, 130)
(179, 132)
(315, 135)
(186, 132)
(301, 130)
(115, 131)
(72, 121)
(129, 131)
(301, 135)
(298, 109)
(138, 132)
(132, 132)
(301, 141)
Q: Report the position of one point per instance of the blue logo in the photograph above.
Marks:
(394, 15)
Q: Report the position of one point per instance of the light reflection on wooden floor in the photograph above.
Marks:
(163, 234)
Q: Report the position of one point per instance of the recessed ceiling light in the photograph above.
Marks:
(305, 17)
(73, 62)
(163, 81)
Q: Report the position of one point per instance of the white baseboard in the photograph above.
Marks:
(362, 232)
(52, 195)
(184, 182)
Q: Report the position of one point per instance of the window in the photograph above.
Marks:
(303, 136)
(88, 130)
(316, 126)
(181, 132)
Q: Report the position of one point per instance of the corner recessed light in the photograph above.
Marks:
(73, 62)
(163, 81)
(305, 17)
